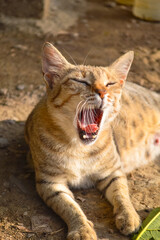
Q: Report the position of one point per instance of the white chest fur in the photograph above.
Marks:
(80, 172)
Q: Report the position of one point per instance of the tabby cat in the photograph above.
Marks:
(90, 129)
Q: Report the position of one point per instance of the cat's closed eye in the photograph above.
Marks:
(80, 81)
(110, 84)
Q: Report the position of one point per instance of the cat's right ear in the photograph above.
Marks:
(122, 66)
(53, 64)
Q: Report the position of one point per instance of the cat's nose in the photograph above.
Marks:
(101, 92)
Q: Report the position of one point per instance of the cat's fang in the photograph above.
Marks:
(85, 136)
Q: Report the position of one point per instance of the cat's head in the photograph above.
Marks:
(83, 99)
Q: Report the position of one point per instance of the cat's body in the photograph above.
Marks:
(116, 132)
(137, 127)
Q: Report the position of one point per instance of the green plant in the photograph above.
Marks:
(150, 228)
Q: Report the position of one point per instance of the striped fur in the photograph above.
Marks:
(128, 137)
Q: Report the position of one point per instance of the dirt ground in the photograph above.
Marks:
(105, 32)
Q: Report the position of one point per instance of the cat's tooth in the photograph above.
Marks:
(94, 136)
(84, 136)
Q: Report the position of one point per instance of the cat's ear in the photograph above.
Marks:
(122, 66)
(53, 64)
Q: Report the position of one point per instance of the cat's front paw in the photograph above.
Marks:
(84, 232)
(128, 221)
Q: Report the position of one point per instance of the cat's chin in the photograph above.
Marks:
(88, 125)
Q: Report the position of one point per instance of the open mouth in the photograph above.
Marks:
(88, 124)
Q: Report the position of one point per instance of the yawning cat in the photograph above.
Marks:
(90, 129)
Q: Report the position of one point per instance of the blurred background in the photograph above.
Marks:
(92, 31)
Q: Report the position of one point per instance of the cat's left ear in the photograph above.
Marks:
(53, 64)
(122, 66)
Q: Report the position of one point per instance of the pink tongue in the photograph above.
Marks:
(91, 128)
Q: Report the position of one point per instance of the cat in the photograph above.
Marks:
(90, 129)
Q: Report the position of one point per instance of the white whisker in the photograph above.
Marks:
(95, 113)
(79, 109)
(85, 117)
(73, 60)
(90, 118)
(71, 57)
(86, 57)
(77, 112)
(92, 114)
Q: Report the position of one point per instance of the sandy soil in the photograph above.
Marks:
(103, 34)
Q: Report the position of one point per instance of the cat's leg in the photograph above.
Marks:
(115, 189)
(57, 195)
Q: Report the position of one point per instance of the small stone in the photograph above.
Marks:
(110, 4)
(134, 21)
(75, 35)
(20, 224)
(41, 223)
(25, 214)
(29, 235)
(128, 26)
(13, 55)
(59, 42)
(20, 87)
(123, 7)
(21, 47)
(81, 199)
(60, 33)
(4, 142)
(12, 50)
(10, 121)
(3, 91)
